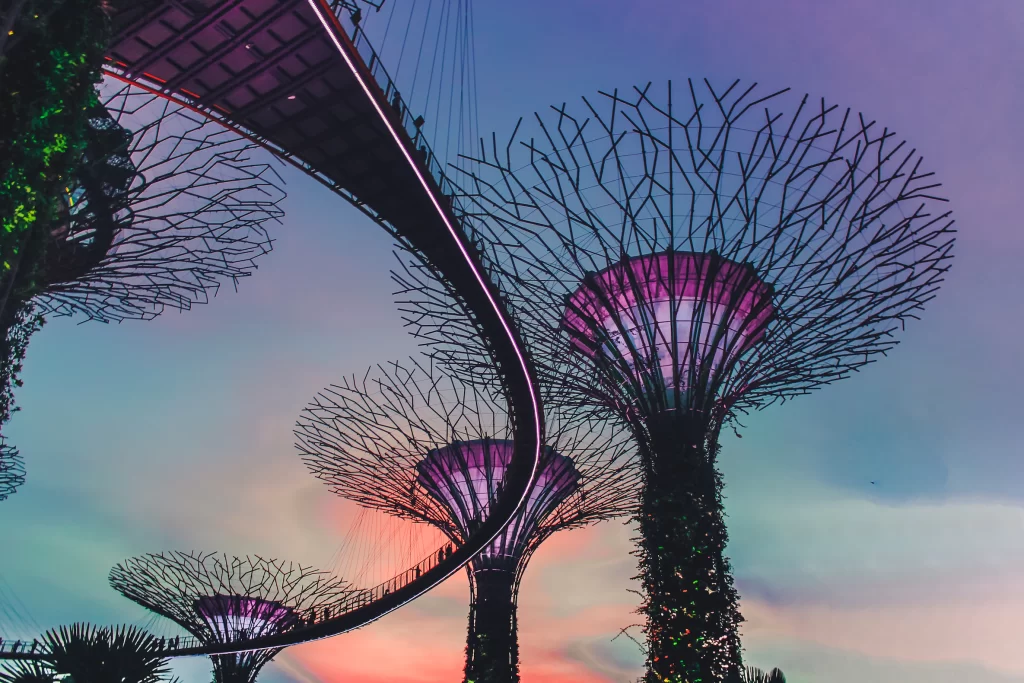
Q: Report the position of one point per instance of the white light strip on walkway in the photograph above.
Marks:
(318, 8)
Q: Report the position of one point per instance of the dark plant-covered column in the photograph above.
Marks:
(492, 647)
(689, 599)
(49, 65)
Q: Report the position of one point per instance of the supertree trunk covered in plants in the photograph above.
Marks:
(677, 260)
(50, 57)
(12, 470)
(412, 442)
(669, 324)
(492, 640)
(463, 477)
(222, 599)
(686, 576)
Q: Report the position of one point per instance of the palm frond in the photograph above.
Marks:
(94, 654)
(27, 672)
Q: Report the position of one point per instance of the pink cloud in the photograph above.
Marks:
(979, 624)
(570, 598)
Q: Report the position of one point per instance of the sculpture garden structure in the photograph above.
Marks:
(221, 599)
(163, 207)
(679, 260)
(412, 442)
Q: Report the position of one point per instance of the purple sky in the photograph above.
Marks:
(176, 434)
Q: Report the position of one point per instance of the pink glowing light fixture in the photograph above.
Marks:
(239, 617)
(678, 317)
(466, 476)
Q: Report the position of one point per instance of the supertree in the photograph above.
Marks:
(222, 599)
(677, 262)
(50, 56)
(414, 443)
(162, 207)
(12, 470)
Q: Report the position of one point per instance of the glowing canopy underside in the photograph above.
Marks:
(466, 476)
(679, 318)
(238, 617)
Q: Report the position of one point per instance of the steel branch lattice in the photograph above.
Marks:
(188, 588)
(413, 442)
(192, 215)
(831, 211)
(366, 438)
(676, 262)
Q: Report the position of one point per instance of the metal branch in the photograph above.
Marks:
(165, 208)
(833, 213)
(366, 437)
(222, 599)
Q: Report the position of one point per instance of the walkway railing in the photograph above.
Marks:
(412, 124)
(33, 649)
(21, 647)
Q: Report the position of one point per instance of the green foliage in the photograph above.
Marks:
(49, 70)
(690, 603)
(92, 654)
(49, 65)
(22, 324)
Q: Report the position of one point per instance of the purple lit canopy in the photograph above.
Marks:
(239, 617)
(793, 238)
(224, 599)
(413, 442)
(466, 476)
(674, 319)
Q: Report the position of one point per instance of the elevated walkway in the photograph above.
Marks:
(299, 78)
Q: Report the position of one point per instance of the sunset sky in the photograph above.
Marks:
(176, 434)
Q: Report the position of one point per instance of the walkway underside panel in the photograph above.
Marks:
(270, 68)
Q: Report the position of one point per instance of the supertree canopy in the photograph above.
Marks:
(12, 470)
(160, 209)
(464, 477)
(221, 599)
(676, 260)
(164, 207)
(415, 443)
